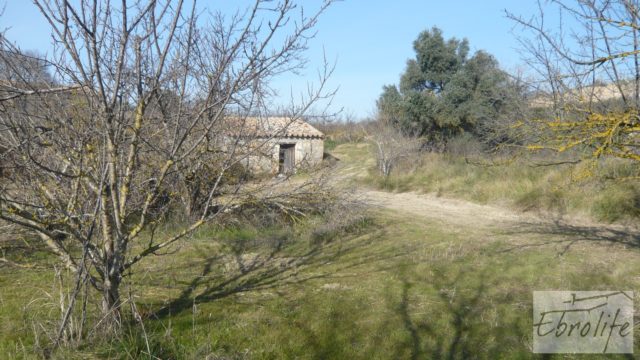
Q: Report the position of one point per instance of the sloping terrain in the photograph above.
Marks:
(419, 277)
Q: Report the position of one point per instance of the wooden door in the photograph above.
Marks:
(287, 161)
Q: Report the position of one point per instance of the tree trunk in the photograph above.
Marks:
(111, 304)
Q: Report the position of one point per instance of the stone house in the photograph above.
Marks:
(278, 145)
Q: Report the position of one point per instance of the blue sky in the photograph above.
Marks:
(369, 40)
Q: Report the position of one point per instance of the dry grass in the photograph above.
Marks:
(519, 184)
(392, 285)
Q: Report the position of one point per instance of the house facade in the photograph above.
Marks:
(279, 145)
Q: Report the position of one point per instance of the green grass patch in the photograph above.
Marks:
(617, 203)
(379, 287)
(330, 144)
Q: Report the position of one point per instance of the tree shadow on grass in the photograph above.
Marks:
(568, 235)
(273, 269)
(456, 309)
(455, 327)
(473, 316)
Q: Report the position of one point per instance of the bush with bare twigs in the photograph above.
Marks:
(391, 146)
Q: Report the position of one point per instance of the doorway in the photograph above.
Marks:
(286, 158)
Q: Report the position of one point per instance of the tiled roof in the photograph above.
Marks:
(273, 127)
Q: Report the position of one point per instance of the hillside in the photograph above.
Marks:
(418, 277)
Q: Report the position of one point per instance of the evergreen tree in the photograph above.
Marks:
(443, 92)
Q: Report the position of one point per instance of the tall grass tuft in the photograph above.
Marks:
(617, 203)
(523, 184)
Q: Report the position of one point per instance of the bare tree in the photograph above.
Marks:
(141, 95)
(391, 146)
(589, 68)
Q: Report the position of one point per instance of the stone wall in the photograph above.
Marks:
(308, 153)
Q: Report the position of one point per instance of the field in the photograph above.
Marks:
(416, 276)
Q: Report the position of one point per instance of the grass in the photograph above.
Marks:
(521, 186)
(330, 144)
(377, 287)
(389, 287)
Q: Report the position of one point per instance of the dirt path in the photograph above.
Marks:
(486, 222)
(352, 168)
(460, 213)
(457, 214)
(454, 211)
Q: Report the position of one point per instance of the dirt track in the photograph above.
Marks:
(455, 213)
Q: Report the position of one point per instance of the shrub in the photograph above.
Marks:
(464, 145)
(542, 199)
(617, 203)
(391, 147)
